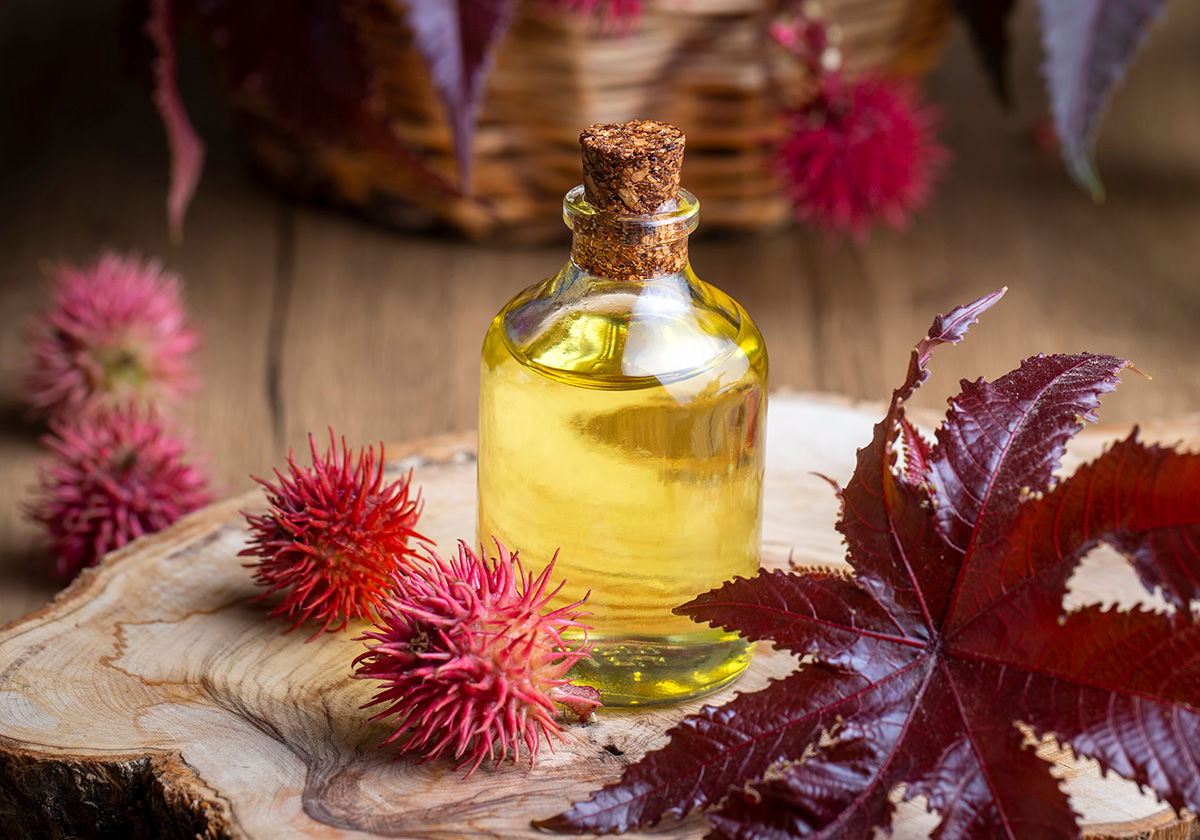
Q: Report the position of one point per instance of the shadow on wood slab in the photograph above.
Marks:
(147, 798)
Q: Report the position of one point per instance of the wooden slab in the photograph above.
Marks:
(153, 698)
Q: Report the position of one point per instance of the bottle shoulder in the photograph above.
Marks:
(574, 325)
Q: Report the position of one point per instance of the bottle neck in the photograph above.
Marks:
(602, 258)
(630, 248)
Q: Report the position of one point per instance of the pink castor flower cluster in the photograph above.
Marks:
(471, 667)
(112, 349)
(860, 155)
(115, 334)
(859, 151)
(114, 477)
(334, 536)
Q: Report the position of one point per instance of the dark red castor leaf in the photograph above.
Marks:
(951, 630)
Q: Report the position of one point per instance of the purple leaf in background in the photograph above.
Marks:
(1088, 44)
(304, 58)
(187, 152)
(457, 39)
(302, 62)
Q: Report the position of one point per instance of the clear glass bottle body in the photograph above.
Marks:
(621, 425)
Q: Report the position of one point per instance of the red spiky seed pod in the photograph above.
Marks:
(113, 477)
(115, 333)
(334, 535)
(861, 153)
(470, 665)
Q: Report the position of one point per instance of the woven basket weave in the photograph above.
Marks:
(702, 65)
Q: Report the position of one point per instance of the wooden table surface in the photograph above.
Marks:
(313, 320)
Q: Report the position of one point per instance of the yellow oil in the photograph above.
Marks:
(625, 432)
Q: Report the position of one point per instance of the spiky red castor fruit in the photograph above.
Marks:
(112, 477)
(470, 665)
(333, 537)
(860, 153)
(116, 333)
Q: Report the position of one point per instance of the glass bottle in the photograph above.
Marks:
(622, 409)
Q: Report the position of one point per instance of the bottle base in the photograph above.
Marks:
(660, 670)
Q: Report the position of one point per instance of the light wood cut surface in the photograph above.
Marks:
(163, 656)
(313, 320)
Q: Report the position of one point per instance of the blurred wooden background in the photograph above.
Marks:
(312, 320)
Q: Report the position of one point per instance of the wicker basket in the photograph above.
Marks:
(699, 64)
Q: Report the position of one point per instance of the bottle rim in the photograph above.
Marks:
(684, 217)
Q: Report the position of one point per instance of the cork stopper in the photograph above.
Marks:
(632, 168)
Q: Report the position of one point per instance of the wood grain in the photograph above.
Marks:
(154, 695)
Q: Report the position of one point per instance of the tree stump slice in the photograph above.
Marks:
(154, 699)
